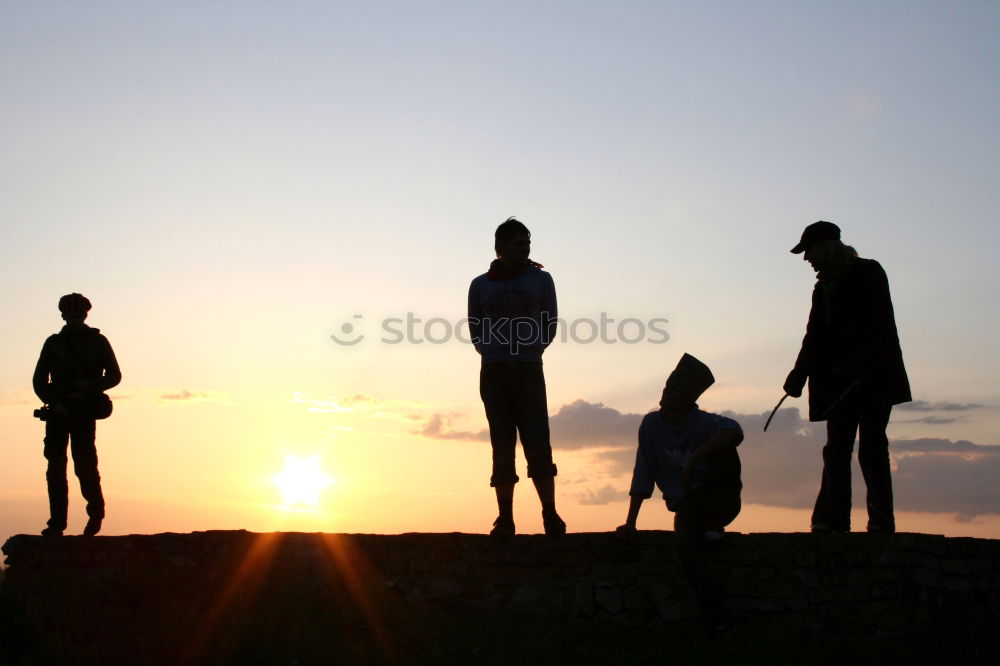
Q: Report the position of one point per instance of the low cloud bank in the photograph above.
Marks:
(782, 467)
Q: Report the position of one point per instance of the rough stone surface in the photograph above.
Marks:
(189, 584)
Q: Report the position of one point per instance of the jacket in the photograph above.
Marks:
(851, 337)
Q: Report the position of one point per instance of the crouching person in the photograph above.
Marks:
(691, 456)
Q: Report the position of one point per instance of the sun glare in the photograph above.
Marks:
(301, 481)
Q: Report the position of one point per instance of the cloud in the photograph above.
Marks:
(438, 426)
(606, 495)
(578, 425)
(185, 395)
(924, 406)
(951, 483)
(357, 403)
(582, 424)
(932, 420)
(783, 466)
(17, 398)
(938, 445)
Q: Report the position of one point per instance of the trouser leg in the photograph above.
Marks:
(833, 504)
(56, 442)
(712, 506)
(531, 414)
(689, 530)
(84, 450)
(498, 401)
(873, 455)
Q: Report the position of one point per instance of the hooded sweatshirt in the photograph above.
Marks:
(512, 315)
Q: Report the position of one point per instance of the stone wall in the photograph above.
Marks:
(168, 585)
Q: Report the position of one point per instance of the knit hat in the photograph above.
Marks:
(690, 378)
(74, 304)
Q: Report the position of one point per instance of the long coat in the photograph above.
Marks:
(851, 336)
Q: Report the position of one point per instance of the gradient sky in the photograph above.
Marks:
(232, 182)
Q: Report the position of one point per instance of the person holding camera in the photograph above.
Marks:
(76, 366)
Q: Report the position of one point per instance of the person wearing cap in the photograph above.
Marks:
(512, 320)
(853, 363)
(690, 455)
(75, 365)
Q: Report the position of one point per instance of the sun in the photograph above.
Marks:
(301, 481)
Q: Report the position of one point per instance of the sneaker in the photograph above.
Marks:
(93, 526)
(503, 528)
(51, 531)
(554, 525)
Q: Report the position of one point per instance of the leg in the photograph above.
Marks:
(873, 455)
(833, 505)
(82, 434)
(723, 487)
(497, 400)
(690, 523)
(494, 389)
(56, 442)
(532, 416)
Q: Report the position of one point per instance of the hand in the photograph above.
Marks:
(626, 531)
(795, 382)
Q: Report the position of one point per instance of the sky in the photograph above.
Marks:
(233, 183)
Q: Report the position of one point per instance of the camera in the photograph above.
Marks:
(42, 413)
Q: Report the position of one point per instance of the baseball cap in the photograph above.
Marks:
(816, 232)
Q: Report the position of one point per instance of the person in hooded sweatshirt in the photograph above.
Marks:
(690, 455)
(512, 319)
(76, 366)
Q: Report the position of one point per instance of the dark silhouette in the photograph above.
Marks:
(76, 366)
(512, 319)
(690, 455)
(852, 359)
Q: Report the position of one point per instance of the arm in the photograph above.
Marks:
(112, 373)
(796, 379)
(643, 476)
(717, 441)
(475, 316)
(40, 380)
(550, 311)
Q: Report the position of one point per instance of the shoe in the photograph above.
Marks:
(554, 525)
(93, 526)
(503, 528)
(880, 530)
(51, 531)
(825, 528)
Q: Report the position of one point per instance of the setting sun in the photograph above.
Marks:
(301, 481)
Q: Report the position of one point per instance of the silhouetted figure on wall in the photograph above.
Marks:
(512, 319)
(852, 359)
(76, 366)
(690, 455)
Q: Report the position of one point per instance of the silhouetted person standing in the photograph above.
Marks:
(690, 455)
(852, 359)
(75, 367)
(512, 319)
